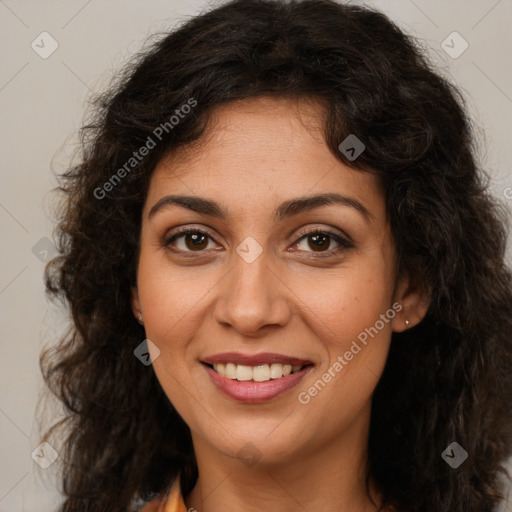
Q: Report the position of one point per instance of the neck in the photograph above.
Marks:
(320, 477)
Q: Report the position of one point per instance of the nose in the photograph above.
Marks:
(252, 296)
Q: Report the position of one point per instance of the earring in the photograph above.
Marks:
(140, 319)
(407, 323)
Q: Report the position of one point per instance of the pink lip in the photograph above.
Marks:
(254, 360)
(254, 392)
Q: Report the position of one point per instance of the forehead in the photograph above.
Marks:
(259, 152)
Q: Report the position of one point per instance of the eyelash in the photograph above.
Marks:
(343, 243)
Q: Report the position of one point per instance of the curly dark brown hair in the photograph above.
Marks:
(447, 379)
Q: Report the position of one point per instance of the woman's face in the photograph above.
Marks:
(269, 277)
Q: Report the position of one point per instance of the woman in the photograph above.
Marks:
(286, 278)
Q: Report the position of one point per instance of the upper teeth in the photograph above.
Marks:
(259, 373)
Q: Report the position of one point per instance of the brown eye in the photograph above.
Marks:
(320, 242)
(196, 241)
(189, 240)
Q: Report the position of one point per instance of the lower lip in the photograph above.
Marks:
(252, 391)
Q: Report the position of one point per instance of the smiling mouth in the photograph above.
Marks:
(259, 373)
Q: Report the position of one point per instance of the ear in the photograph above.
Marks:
(415, 301)
(135, 303)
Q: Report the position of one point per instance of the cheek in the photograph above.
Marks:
(171, 303)
(351, 313)
(171, 298)
(344, 303)
(347, 320)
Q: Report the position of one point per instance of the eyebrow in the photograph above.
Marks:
(286, 209)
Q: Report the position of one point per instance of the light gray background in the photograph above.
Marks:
(42, 104)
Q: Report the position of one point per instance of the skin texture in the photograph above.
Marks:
(256, 154)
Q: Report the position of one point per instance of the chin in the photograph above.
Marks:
(257, 447)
